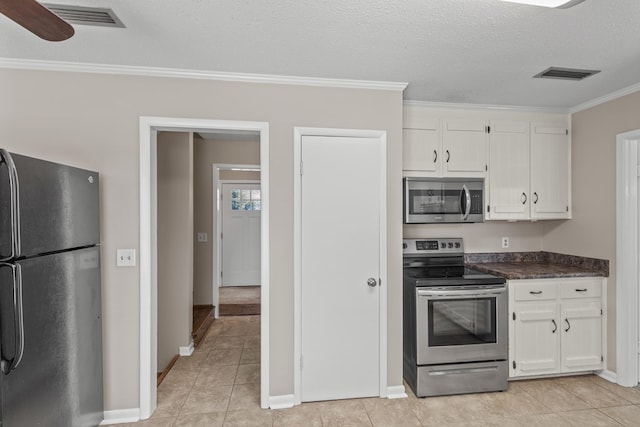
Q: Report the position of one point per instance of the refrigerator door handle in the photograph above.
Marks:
(14, 191)
(7, 365)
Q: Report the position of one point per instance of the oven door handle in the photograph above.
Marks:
(462, 292)
(463, 371)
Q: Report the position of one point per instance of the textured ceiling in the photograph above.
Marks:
(459, 51)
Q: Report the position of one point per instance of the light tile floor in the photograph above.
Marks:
(219, 386)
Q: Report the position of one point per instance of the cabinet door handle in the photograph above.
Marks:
(535, 292)
(435, 156)
(448, 156)
(568, 325)
(536, 199)
(555, 326)
(523, 198)
(581, 290)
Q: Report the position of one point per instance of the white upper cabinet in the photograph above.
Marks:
(529, 168)
(454, 148)
(508, 176)
(464, 145)
(421, 149)
(549, 171)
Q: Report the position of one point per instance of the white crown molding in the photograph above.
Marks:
(462, 106)
(606, 98)
(197, 74)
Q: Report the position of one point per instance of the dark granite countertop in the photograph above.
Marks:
(537, 265)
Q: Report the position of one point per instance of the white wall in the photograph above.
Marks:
(91, 120)
(175, 247)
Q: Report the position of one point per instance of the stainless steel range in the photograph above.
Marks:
(455, 321)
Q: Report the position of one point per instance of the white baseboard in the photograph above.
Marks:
(281, 402)
(396, 392)
(186, 350)
(120, 416)
(608, 375)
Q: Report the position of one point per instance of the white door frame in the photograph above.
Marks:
(217, 226)
(148, 128)
(627, 277)
(298, 133)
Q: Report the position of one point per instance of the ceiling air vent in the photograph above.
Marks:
(86, 15)
(565, 73)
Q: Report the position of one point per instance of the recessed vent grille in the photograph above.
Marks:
(86, 15)
(565, 73)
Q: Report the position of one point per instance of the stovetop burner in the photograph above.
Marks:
(440, 262)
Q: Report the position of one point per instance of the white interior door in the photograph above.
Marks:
(240, 234)
(340, 252)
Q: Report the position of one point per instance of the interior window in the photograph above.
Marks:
(245, 200)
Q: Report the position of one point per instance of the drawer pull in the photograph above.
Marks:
(555, 326)
(535, 292)
(568, 325)
(581, 290)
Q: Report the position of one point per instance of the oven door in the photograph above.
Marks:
(461, 324)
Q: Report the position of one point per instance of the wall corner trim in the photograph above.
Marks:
(396, 392)
(186, 350)
(120, 416)
(281, 402)
(78, 67)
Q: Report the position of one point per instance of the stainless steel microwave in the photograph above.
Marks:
(435, 200)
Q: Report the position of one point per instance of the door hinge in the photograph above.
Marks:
(488, 129)
(379, 282)
(514, 315)
(220, 236)
(514, 364)
(488, 208)
(567, 208)
(486, 167)
(601, 312)
(221, 274)
(602, 358)
(301, 168)
(566, 132)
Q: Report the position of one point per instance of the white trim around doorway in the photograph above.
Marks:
(298, 133)
(217, 227)
(148, 128)
(627, 252)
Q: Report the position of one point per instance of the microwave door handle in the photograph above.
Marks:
(465, 195)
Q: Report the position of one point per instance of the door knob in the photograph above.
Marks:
(372, 282)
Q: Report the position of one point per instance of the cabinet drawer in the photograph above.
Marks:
(581, 288)
(535, 291)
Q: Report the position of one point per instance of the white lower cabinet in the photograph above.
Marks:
(555, 326)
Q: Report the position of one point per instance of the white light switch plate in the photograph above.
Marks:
(125, 258)
(203, 237)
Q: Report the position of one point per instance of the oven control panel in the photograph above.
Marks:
(445, 246)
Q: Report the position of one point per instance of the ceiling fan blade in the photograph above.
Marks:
(38, 19)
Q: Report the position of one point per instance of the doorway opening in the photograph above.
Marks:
(149, 127)
(237, 222)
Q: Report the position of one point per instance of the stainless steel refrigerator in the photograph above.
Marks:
(50, 294)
